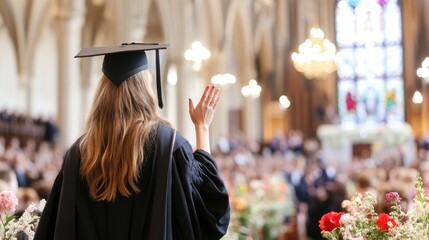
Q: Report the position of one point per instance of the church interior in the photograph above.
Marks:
(321, 99)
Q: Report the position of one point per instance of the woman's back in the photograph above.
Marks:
(198, 208)
(124, 178)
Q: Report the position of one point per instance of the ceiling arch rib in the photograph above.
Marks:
(238, 40)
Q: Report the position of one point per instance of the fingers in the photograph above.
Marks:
(191, 105)
(215, 98)
(211, 94)
(206, 94)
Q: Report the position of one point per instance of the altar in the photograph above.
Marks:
(341, 143)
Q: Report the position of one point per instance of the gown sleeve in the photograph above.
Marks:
(46, 228)
(209, 197)
(210, 191)
(57, 220)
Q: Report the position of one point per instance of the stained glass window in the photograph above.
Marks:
(370, 81)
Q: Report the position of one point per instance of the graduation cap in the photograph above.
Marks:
(122, 62)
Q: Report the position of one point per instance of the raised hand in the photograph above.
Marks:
(202, 114)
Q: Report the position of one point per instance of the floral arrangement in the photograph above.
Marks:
(12, 227)
(259, 207)
(363, 222)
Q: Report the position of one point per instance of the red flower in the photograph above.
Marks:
(383, 222)
(330, 221)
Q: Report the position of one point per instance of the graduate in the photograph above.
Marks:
(131, 175)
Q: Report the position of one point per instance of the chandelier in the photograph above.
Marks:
(197, 54)
(423, 71)
(417, 97)
(284, 102)
(317, 56)
(252, 90)
(223, 79)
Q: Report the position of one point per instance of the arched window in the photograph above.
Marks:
(370, 79)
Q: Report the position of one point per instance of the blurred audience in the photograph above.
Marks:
(319, 185)
(30, 161)
(29, 156)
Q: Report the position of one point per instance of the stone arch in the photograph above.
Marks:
(154, 30)
(213, 25)
(239, 45)
(176, 22)
(264, 45)
(207, 26)
(238, 41)
(264, 50)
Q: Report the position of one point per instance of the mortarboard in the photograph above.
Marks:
(123, 61)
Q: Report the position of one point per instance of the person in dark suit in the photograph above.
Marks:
(131, 175)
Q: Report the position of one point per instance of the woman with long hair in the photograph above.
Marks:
(131, 175)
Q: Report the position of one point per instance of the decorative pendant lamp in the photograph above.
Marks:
(316, 57)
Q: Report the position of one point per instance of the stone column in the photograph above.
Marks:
(130, 20)
(26, 79)
(123, 21)
(170, 94)
(253, 118)
(69, 19)
(188, 86)
(424, 109)
(220, 125)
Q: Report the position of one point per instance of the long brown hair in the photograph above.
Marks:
(121, 123)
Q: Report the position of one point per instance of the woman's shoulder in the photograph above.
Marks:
(180, 139)
(72, 155)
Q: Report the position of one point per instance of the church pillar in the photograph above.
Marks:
(252, 109)
(170, 94)
(253, 119)
(411, 16)
(26, 79)
(220, 124)
(130, 16)
(188, 86)
(69, 17)
(424, 48)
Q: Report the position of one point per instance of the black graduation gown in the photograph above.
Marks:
(193, 205)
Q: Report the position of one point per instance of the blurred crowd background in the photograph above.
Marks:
(279, 189)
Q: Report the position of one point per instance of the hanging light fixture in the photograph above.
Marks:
(317, 56)
(284, 102)
(252, 90)
(197, 54)
(223, 79)
(417, 97)
(423, 71)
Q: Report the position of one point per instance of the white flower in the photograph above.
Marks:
(27, 223)
(365, 222)
(346, 219)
